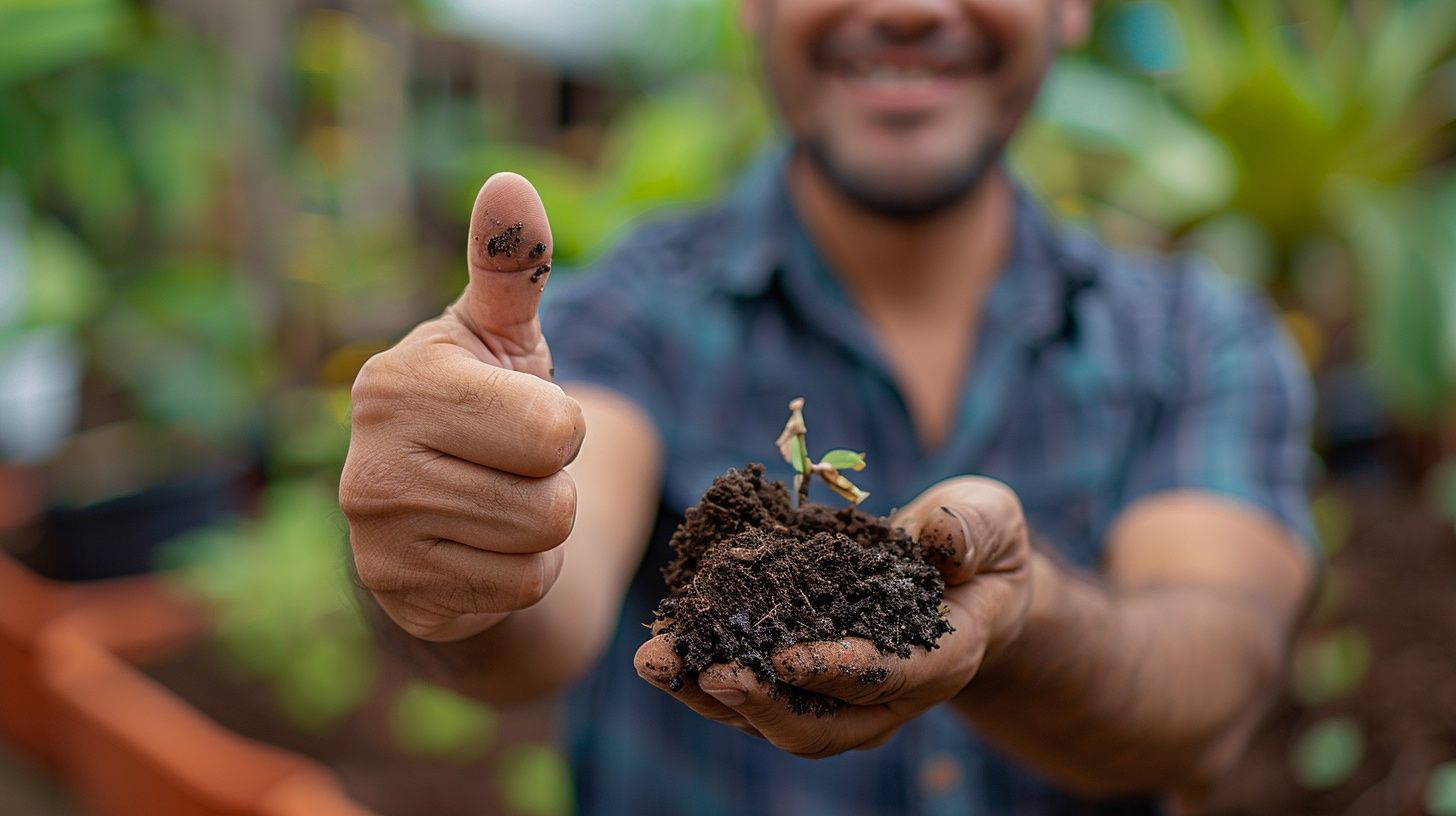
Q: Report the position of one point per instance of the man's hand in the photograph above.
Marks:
(454, 489)
(987, 594)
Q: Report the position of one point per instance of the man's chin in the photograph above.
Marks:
(895, 190)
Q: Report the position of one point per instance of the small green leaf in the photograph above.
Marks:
(1441, 790)
(1327, 753)
(797, 455)
(842, 459)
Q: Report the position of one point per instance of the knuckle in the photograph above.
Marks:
(370, 395)
(380, 575)
(559, 505)
(536, 579)
(415, 619)
(366, 485)
(558, 425)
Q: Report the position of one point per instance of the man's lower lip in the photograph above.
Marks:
(898, 95)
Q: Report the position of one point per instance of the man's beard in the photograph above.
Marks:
(900, 201)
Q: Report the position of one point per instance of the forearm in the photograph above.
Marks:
(1115, 691)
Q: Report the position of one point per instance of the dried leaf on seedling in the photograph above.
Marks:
(839, 484)
(843, 459)
(791, 439)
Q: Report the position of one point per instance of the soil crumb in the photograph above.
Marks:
(753, 575)
(506, 242)
(538, 250)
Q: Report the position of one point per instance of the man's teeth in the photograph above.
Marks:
(881, 73)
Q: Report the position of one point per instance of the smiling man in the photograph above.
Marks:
(1128, 578)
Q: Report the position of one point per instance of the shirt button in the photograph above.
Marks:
(939, 774)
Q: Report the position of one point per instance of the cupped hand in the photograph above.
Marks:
(986, 564)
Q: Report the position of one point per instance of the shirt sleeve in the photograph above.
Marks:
(600, 329)
(1238, 420)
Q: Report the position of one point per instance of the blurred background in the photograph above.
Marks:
(211, 213)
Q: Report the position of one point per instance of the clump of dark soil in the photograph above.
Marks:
(753, 575)
(506, 242)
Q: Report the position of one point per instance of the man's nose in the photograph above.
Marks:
(906, 20)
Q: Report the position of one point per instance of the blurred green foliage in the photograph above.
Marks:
(1329, 665)
(1328, 752)
(1440, 798)
(110, 129)
(536, 781)
(283, 603)
(1296, 142)
(434, 721)
(229, 237)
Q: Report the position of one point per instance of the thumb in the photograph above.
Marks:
(975, 524)
(510, 259)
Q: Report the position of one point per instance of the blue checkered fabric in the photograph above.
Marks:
(1098, 378)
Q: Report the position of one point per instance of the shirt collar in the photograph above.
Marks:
(1046, 271)
(760, 212)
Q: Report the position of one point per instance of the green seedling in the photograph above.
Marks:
(796, 452)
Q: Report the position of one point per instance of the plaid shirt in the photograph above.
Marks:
(1098, 378)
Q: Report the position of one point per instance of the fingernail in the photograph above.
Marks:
(729, 697)
(965, 532)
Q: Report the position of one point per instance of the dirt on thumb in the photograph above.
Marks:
(510, 259)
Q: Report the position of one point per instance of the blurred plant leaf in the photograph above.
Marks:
(434, 721)
(37, 36)
(1406, 243)
(535, 781)
(305, 430)
(325, 681)
(189, 340)
(670, 148)
(64, 283)
(1440, 798)
(1443, 482)
(283, 602)
(1172, 169)
(1327, 753)
(1330, 665)
(1331, 521)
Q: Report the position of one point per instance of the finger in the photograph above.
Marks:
(851, 669)
(510, 259)
(803, 735)
(658, 664)
(441, 580)
(451, 402)
(434, 495)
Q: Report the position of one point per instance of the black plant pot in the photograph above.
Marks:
(122, 536)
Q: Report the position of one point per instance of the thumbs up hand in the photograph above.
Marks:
(454, 485)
